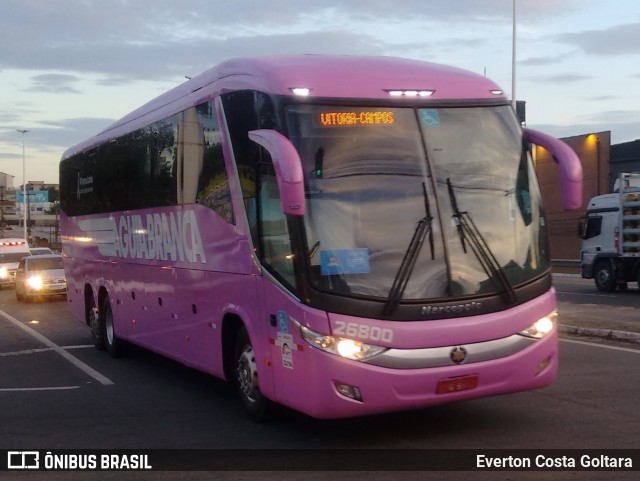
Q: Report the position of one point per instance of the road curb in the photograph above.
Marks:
(612, 334)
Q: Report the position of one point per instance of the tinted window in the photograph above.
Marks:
(246, 111)
(178, 160)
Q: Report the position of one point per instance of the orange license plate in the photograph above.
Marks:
(457, 384)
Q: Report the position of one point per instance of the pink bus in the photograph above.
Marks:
(341, 235)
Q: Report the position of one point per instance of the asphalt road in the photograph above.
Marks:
(58, 392)
(580, 304)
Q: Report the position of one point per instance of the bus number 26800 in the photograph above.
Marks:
(363, 331)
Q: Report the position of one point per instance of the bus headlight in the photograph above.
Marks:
(340, 346)
(35, 282)
(541, 327)
(4, 273)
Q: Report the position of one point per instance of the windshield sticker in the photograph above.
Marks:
(429, 118)
(344, 261)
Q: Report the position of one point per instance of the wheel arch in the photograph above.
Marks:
(231, 325)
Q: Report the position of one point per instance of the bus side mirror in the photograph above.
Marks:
(569, 164)
(288, 167)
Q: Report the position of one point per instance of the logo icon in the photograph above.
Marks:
(23, 460)
(458, 354)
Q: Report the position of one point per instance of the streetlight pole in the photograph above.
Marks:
(24, 185)
(513, 59)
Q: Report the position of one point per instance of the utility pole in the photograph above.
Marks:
(2, 212)
(24, 185)
(513, 60)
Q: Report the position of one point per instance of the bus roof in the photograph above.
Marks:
(327, 76)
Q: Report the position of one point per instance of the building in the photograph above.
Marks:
(594, 151)
(6, 181)
(625, 157)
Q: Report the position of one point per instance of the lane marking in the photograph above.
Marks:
(27, 389)
(102, 379)
(584, 294)
(42, 349)
(603, 346)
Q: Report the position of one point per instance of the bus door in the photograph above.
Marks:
(282, 309)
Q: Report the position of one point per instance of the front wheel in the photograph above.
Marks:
(256, 405)
(604, 278)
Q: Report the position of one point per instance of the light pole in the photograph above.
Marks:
(24, 185)
(513, 59)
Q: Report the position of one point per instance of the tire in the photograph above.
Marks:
(95, 323)
(604, 277)
(113, 344)
(257, 407)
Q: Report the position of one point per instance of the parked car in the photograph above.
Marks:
(38, 251)
(40, 276)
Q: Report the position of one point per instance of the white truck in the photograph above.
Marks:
(12, 250)
(610, 251)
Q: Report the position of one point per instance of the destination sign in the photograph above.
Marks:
(346, 119)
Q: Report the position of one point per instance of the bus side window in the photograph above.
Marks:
(213, 181)
(273, 228)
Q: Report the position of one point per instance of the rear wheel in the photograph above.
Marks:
(113, 343)
(603, 276)
(258, 407)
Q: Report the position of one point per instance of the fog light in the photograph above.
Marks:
(352, 392)
(543, 365)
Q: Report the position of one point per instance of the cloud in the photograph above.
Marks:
(544, 61)
(119, 61)
(57, 134)
(623, 124)
(162, 38)
(568, 78)
(53, 83)
(611, 41)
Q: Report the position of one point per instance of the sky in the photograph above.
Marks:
(69, 68)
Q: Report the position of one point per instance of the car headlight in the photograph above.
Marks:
(340, 346)
(4, 273)
(35, 282)
(541, 327)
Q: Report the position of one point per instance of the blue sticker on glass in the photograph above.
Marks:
(282, 322)
(429, 118)
(344, 261)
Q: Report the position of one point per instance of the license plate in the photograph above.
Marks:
(457, 384)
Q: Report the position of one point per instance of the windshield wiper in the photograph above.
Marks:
(403, 275)
(467, 231)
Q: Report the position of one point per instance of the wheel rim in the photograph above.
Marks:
(603, 276)
(93, 319)
(247, 374)
(109, 326)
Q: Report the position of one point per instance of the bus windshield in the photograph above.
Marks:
(375, 177)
